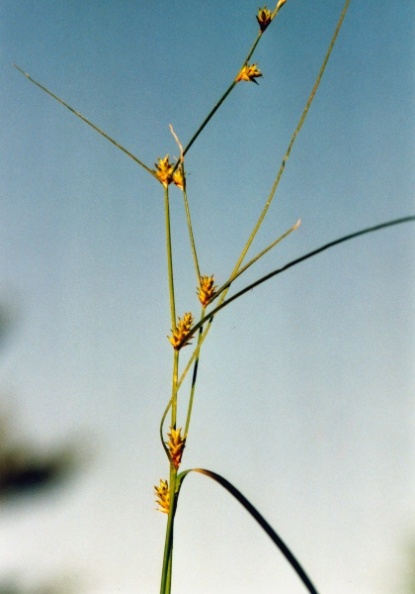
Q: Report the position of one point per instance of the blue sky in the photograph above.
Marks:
(305, 394)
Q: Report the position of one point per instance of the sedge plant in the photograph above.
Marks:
(189, 330)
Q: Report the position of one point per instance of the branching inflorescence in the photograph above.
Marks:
(191, 331)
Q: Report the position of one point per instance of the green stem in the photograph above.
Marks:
(253, 48)
(174, 389)
(194, 378)
(190, 229)
(169, 258)
(84, 119)
(196, 352)
(166, 572)
(208, 117)
(255, 259)
(163, 418)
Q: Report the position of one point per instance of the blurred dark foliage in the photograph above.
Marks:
(24, 470)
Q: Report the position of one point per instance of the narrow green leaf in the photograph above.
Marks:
(319, 250)
(84, 119)
(276, 539)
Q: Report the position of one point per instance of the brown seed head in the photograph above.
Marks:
(176, 445)
(264, 17)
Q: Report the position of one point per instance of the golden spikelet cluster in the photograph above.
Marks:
(165, 175)
(164, 170)
(249, 73)
(206, 289)
(178, 336)
(163, 496)
(176, 445)
(178, 178)
(264, 17)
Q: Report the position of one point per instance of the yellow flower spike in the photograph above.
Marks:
(164, 170)
(206, 289)
(264, 17)
(176, 446)
(163, 496)
(178, 336)
(249, 73)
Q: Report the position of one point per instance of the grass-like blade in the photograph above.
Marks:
(84, 119)
(323, 248)
(276, 539)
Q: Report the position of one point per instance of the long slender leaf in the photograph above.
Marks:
(323, 248)
(276, 539)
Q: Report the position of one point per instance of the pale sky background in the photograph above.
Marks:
(305, 398)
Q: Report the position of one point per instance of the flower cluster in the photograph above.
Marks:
(249, 72)
(176, 445)
(163, 496)
(264, 17)
(178, 336)
(178, 178)
(164, 173)
(206, 290)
